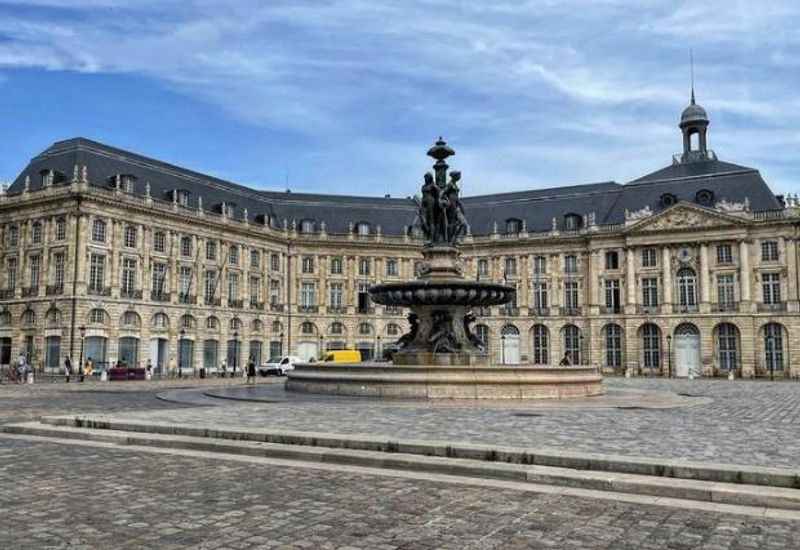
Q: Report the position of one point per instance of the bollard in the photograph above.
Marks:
(730, 375)
(627, 373)
(30, 378)
(147, 375)
(104, 376)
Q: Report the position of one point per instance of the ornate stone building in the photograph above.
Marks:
(692, 268)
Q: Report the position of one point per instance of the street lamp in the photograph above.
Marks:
(771, 356)
(580, 349)
(82, 330)
(503, 349)
(235, 350)
(281, 346)
(180, 353)
(378, 352)
(669, 356)
(319, 354)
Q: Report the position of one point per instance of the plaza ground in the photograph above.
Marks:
(82, 495)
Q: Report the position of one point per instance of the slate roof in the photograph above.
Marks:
(607, 200)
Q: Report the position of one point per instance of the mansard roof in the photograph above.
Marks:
(605, 202)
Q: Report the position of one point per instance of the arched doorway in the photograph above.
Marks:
(158, 355)
(128, 353)
(95, 348)
(510, 348)
(687, 351)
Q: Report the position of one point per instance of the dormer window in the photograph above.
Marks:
(181, 196)
(513, 226)
(573, 222)
(362, 228)
(704, 197)
(668, 199)
(307, 226)
(46, 177)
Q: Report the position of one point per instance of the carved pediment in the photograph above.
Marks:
(684, 217)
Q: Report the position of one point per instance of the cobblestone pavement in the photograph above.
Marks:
(64, 496)
(745, 422)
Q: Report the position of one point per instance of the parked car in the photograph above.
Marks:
(278, 365)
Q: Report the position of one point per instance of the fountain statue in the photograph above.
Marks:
(440, 357)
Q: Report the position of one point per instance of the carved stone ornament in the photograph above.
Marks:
(681, 219)
(725, 206)
(640, 214)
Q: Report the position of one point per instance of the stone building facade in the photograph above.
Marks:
(690, 269)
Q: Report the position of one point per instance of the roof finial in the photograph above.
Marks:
(691, 64)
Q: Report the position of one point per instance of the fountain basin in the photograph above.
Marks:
(445, 382)
(452, 292)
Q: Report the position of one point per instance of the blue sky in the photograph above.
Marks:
(345, 96)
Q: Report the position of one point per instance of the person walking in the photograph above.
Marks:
(89, 368)
(251, 371)
(21, 368)
(67, 368)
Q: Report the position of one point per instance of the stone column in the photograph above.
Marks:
(593, 281)
(143, 280)
(666, 268)
(556, 269)
(791, 276)
(630, 281)
(705, 281)
(744, 276)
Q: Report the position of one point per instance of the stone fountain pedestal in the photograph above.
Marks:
(440, 357)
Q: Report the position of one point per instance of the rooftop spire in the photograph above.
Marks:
(691, 65)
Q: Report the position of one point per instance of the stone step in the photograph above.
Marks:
(657, 467)
(686, 489)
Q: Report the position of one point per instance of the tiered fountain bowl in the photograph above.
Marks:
(440, 357)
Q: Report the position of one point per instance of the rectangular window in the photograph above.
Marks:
(211, 250)
(97, 272)
(540, 295)
(613, 295)
(769, 251)
(308, 295)
(539, 265)
(130, 236)
(571, 294)
(61, 229)
(159, 278)
(58, 270)
(99, 231)
(336, 266)
(128, 276)
(233, 255)
(185, 280)
(724, 254)
(650, 292)
(725, 290)
(364, 266)
(612, 260)
(11, 276)
(159, 242)
(771, 286)
(363, 297)
(649, 257)
(35, 270)
(186, 247)
(210, 285)
(391, 267)
(308, 264)
(483, 267)
(275, 262)
(255, 259)
(233, 286)
(511, 267)
(274, 292)
(337, 293)
(570, 264)
(255, 289)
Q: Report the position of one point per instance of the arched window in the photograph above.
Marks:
(29, 318)
(482, 332)
(36, 233)
(5, 319)
(651, 346)
(613, 337)
(235, 324)
(187, 322)
(53, 318)
(687, 287)
(573, 222)
(307, 328)
(364, 329)
(212, 323)
(572, 344)
(668, 199)
(336, 328)
(704, 197)
(277, 327)
(97, 316)
(541, 345)
(160, 321)
(773, 347)
(728, 346)
(392, 330)
(99, 231)
(256, 325)
(130, 319)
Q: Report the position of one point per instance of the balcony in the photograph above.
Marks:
(683, 308)
(236, 304)
(307, 309)
(340, 310)
(392, 310)
(569, 311)
(366, 311)
(610, 310)
(509, 311)
(483, 311)
(157, 296)
(187, 299)
(131, 294)
(105, 291)
(30, 291)
(215, 302)
(538, 311)
(254, 304)
(7, 293)
(725, 306)
(646, 310)
(55, 290)
(775, 307)
(276, 307)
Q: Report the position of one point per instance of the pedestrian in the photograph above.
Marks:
(89, 370)
(173, 369)
(251, 371)
(21, 368)
(223, 368)
(67, 368)
(566, 361)
(149, 369)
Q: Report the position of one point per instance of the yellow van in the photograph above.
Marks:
(343, 356)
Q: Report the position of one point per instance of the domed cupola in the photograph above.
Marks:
(694, 121)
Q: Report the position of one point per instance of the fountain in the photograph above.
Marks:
(440, 357)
